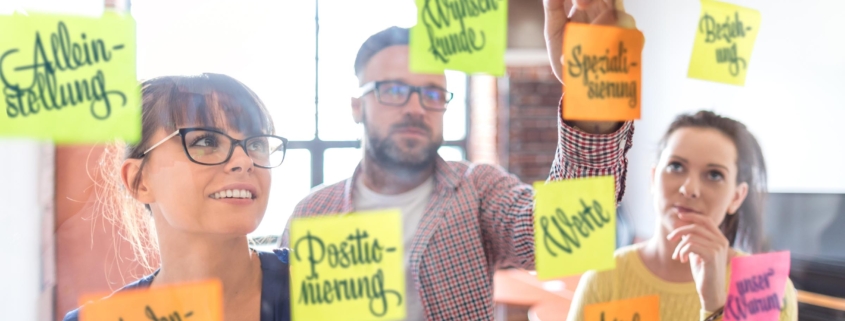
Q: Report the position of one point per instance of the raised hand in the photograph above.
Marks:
(707, 250)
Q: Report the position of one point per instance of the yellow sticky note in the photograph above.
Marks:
(574, 226)
(723, 42)
(69, 79)
(602, 72)
(348, 267)
(190, 301)
(645, 308)
(467, 36)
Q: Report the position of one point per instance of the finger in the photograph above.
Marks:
(695, 229)
(702, 220)
(678, 247)
(704, 248)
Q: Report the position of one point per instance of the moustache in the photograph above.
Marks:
(412, 124)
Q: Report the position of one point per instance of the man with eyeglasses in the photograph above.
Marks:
(461, 221)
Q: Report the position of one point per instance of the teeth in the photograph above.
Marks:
(229, 193)
(237, 193)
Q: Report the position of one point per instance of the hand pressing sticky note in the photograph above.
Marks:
(348, 267)
(186, 302)
(574, 226)
(602, 72)
(756, 291)
(69, 79)
(723, 42)
(645, 308)
(469, 36)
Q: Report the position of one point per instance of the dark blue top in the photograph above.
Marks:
(275, 287)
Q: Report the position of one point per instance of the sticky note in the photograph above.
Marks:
(69, 79)
(645, 308)
(724, 39)
(602, 72)
(467, 36)
(756, 291)
(574, 226)
(189, 301)
(348, 267)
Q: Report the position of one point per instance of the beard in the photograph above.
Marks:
(388, 151)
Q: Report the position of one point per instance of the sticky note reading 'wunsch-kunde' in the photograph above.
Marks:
(645, 308)
(574, 226)
(602, 72)
(469, 36)
(723, 42)
(756, 291)
(348, 267)
(69, 79)
(190, 301)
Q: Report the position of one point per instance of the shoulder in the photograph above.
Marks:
(321, 198)
(139, 284)
(72, 315)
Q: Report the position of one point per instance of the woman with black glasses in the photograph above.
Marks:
(188, 193)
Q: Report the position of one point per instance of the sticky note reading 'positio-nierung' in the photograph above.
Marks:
(69, 79)
(468, 36)
(756, 291)
(723, 42)
(190, 301)
(645, 308)
(348, 267)
(602, 72)
(574, 226)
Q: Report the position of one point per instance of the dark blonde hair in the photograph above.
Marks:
(208, 100)
(744, 228)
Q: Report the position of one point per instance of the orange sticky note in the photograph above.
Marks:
(190, 301)
(646, 308)
(602, 72)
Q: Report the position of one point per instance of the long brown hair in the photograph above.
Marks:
(744, 228)
(211, 100)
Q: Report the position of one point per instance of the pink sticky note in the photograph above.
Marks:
(757, 285)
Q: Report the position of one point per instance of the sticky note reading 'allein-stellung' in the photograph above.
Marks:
(69, 79)
(602, 72)
(348, 267)
(186, 302)
(469, 36)
(723, 42)
(645, 308)
(756, 291)
(574, 226)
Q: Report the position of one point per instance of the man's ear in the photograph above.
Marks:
(357, 110)
(131, 169)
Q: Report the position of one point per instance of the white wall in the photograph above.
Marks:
(792, 100)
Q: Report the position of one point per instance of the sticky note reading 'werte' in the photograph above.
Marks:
(756, 291)
(602, 72)
(190, 301)
(467, 36)
(723, 42)
(574, 226)
(645, 308)
(348, 267)
(69, 79)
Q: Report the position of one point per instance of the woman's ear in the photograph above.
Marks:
(738, 198)
(357, 110)
(131, 169)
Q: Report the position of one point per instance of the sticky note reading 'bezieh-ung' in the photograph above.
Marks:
(756, 291)
(69, 79)
(602, 72)
(645, 308)
(348, 267)
(723, 42)
(574, 226)
(467, 36)
(189, 301)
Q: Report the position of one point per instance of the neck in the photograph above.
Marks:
(658, 257)
(392, 180)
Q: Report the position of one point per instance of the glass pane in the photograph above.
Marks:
(291, 183)
(451, 153)
(193, 36)
(455, 119)
(340, 163)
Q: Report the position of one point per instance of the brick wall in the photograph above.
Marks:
(529, 98)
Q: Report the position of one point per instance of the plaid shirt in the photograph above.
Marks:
(479, 219)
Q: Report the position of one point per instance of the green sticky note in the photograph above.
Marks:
(69, 79)
(574, 226)
(469, 36)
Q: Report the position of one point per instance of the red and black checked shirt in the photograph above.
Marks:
(480, 218)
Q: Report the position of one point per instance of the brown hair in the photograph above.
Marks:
(209, 100)
(743, 229)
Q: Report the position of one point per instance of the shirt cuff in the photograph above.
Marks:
(594, 150)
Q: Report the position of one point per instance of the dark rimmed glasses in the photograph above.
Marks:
(208, 146)
(397, 93)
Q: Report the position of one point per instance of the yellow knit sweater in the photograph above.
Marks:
(631, 279)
